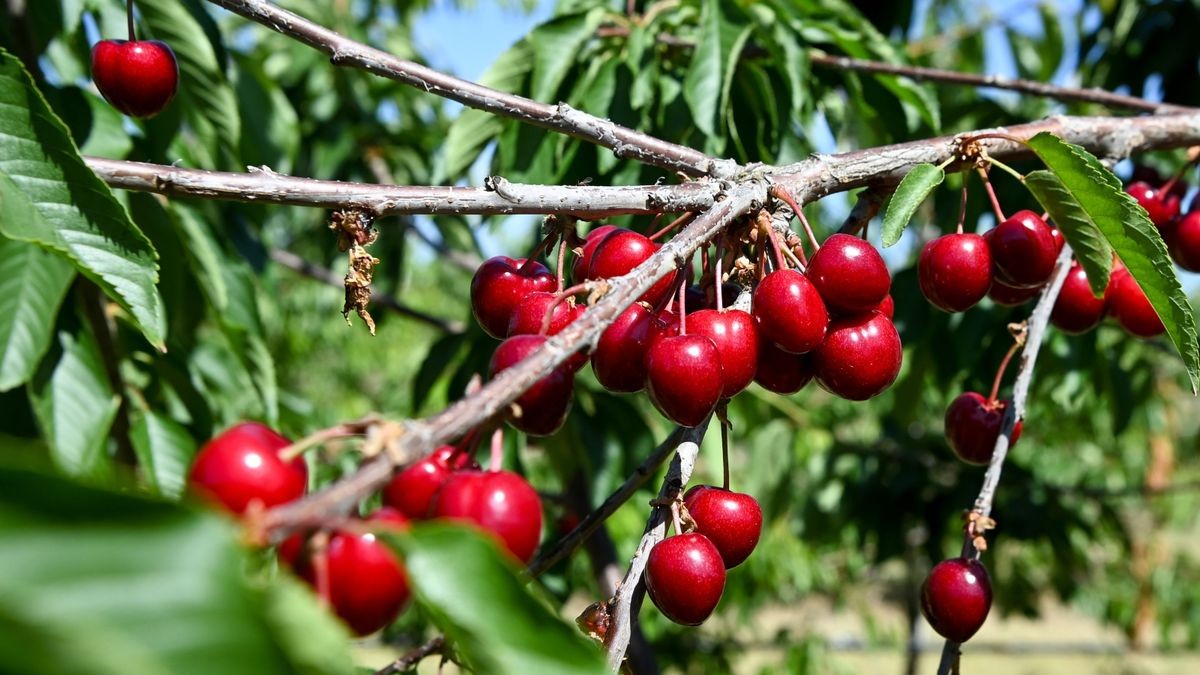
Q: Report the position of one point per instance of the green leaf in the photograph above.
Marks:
(316, 641)
(41, 171)
(242, 325)
(710, 74)
(468, 587)
(914, 188)
(1077, 223)
(556, 48)
(474, 129)
(1127, 228)
(33, 283)
(164, 452)
(794, 61)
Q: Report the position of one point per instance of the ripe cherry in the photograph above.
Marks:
(860, 356)
(241, 466)
(683, 377)
(955, 271)
(790, 311)
(1161, 206)
(1076, 310)
(1023, 250)
(850, 274)
(499, 285)
(544, 405)
(530, 313)
(619, 360)
(685, 578)
(138, 77)
(1130, 306)
(1007, 296)
(583, 262)
(956, 598)
(780, 371)
(732, 521)
(887, 307)
(1185, 242)
(411, 490)
(735, 334)
(499, 502)
(622, 250)
(973, 425)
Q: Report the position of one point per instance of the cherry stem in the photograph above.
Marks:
(320, 562)
(129, 20)
(962, 209)
(718, 281)
(678, 519)
(291, 452)
(775, 244)
(681, 296)
(1000, 217)
(497, 461)
(782, 193)
(544, 244)
(562, 295)
(681, 220)
(1000, 371)
(1166, 187)
(723, 416)
(562, 259)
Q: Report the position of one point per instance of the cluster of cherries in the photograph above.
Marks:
(1163, 201)
(247, 469)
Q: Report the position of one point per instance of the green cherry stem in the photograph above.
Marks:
(991, 192)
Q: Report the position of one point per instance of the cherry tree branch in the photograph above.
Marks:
(1038, 322)
(624, 142)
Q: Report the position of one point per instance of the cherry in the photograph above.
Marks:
(1007, 296)
(499, 502)
(1129, 304)
(583, 262)
(1185, 242)
(1076, 310)
(732, 521)
(685, 578)
(1023, 250)
(411, 490)
(736, 336)
(241, 466)
(956, 597)
(973, 425)
(887, 307)
(860, 356)
(545, 404)
(790, 311)
(683, 377)
(1161, 207)
(499, 285)
(955, 271)
(138, 77)
(850, 275)
(781, 372)
(622, 250)
(664, 325)
(619, 360)
(530, 313)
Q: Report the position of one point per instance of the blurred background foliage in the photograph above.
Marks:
(861, 499)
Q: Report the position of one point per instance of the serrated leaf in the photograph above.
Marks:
(1078, 225)
(913, 189)
(556, 48)
(33, 283)
(164, 450)
(474, 129)
(710, 74)
(469, 588)
(40, 170)
(203, 253)
(1127, 228)
(242, 325)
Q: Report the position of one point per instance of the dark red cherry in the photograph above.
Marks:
(683, 377)
(955, 271)
(583, 262)
(138, 77)
(241, 466)
(1076, 310)
(1185, 242)
(973, 425)
(499, 502)
(956, 598)
(619, 360)
(1161, 206)
(860, 356)
(411, 490)
(887, 307)
(849, 274)
(732, 521)
(544, 406)
(664, 325)
(735, 334)
(780, 371)
(1007, 296)
(622, 250)
(1130, 306)
(685, 578)
(1023, 250)
(499, 285)
(530, 313)
(790, 311)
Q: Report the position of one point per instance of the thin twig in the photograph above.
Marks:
(412, 658)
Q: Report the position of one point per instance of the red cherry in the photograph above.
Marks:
(1007, 296)
(860, 356)
(955, 271)
(887, 307)
(411, 490)
(622, 250)
(735, 334)
(1161, 207)
(583, 261)
(1023, 250)
(1130, 306)
(499, 502)
(850, 275)
(685, 578)
(619, 360)
(664, 325)
(790, 311)
(544, 405)
(973, 425)
(683, 377)
(1185, 242)
(241, 466)
(956, 597)
(1076, 310)
(781, 372)
(732, 521)
(138, 77)
(530, 313)
(498, 287)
